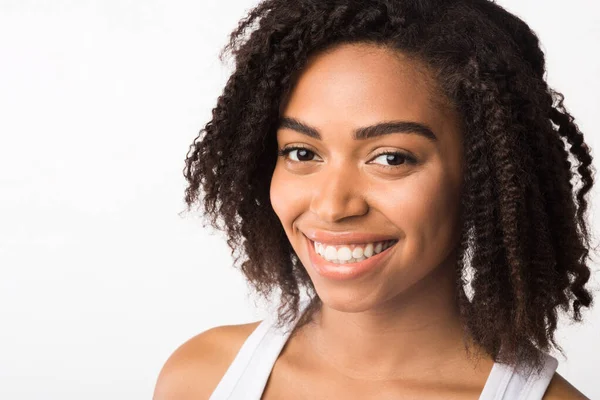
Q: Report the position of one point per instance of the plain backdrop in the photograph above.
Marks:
(101, 278)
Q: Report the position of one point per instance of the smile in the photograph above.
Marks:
(344, 267)
(351, 253)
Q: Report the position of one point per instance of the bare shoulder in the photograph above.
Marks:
(560, 389)
(196, 367)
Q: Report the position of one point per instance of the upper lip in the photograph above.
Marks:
(347, 237)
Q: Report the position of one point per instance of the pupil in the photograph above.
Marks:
(393, 159)
(303, 153)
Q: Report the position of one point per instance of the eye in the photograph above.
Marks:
(395, 159)
(390, 159)
(296, 153)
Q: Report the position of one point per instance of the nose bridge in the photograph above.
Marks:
(337, 193)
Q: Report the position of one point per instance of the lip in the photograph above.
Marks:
(348, 237)
(341, 272)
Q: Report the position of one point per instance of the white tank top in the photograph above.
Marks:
(247, 376)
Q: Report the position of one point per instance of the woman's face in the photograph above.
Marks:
(346, 188)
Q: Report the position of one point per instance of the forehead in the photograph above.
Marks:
(361, 84)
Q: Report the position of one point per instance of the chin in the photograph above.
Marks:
(345, 300)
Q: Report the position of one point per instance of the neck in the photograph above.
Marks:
(416, 334)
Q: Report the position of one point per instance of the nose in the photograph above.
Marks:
(337, 194)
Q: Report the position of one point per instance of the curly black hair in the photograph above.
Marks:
(524, 236)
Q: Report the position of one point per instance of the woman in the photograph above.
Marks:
(405, 163)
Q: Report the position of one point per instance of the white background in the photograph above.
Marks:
(100, 277)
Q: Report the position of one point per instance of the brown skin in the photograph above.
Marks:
(194, 370)
(400, 319)
(395, 332)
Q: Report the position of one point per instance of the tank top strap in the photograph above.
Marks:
(535, 385)
(247, 376)
(511, 383)
(249, 372)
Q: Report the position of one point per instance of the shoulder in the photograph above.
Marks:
(196, 367)
(560, 389)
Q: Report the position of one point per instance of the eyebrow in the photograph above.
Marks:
(367, 132)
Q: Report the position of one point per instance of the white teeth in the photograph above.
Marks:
(330, 253)
(368, 252)
(347, 254)
(344, 254)
(357, 252)
(321, 248)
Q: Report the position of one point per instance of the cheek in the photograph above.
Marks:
(286, 196)
(425, 208)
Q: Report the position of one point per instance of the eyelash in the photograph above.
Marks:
(408, 159)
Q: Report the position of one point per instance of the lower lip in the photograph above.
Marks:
(345, 271)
